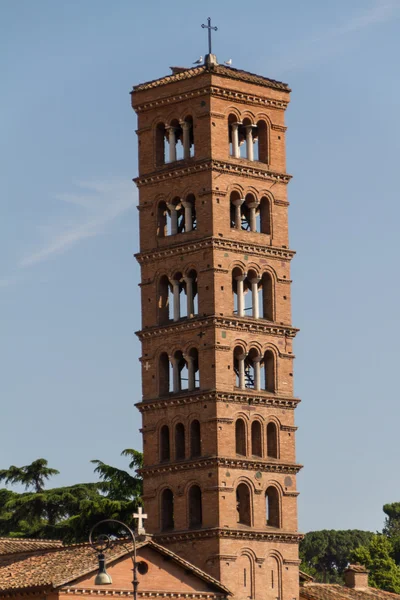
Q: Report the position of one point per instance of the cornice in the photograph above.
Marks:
(242, 324)
(125, 593)
(215, 91)
(265, 466)
(240, 167)
(218, 244)
(270, 535)
(236, 397)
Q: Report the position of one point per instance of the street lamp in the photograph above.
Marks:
(101, 543)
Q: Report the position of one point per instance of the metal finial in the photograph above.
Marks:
(209, 33)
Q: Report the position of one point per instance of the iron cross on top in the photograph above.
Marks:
(209, 33)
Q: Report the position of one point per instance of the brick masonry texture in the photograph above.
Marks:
(252, 559)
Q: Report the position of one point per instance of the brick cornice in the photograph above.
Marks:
(258, 326)
(266, 466)
(237, 167)
(236, 397)
(277, 535)
(215, 91)
(187, 248)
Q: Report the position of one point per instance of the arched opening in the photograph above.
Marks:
(167, 510)
(179, 441)
(256, 439)
(243, 504)
(240, 437)
(272, 507)
(160, 138)
(265, 215)
(269, 369)
(274, 578)
(189, 213)
(175, 141)
(267, 297)
(250, 210)
(163, 304)
(162, 219)
(195, 507)
(195, 439)
(163, 374)
(272, 440)
(252, 369)
(260, 134)
(180, 372)
(188, 137)
(164, 443)
(238, 278)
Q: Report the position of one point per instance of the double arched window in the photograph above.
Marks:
(254, 370)
(248, 139)
(177, 296)
(194, 506)
(176, 216)
(256, 446)
(179, 441)
(248, 213)
(174, 140)
(253, 294)
(179, 371)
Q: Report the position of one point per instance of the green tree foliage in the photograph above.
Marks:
(392, 527)
(67, 513)
(377, 557)
(325, 554)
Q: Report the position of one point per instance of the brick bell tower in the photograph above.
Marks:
(217, 361)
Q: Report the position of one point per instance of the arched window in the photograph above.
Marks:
(195, 508)
(267, 297)
(163, 304)
(274, 578)
(236, 137)
(179, 441)
(260, 135)
(272, 441)
(160, 137)
(167, 510)
(164, 443)
(192, 304)
(269, 368)
(249, 212)
(163, 374)
(265, 215)
(272, 507)
(187, 137)
(240, 437)
(243, 504)
(256, 438)
(195, 439)
(239, 367)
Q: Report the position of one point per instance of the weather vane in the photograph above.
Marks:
(209, 33)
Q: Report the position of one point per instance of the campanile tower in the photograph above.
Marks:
(217, 361)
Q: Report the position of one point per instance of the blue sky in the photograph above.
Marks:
(69, 301)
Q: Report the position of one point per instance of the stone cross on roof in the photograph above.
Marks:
(140, 516)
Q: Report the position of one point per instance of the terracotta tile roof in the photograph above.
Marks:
(18, 545)
(221, 70)
(322, 591)
(56, 567)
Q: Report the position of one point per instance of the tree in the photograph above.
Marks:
(325, 554)
(377, 557)
(67, 513)
(392, 527)
(33, 475)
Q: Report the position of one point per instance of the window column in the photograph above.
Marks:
(257, 372)
(177, 300)
(240, 294)
(254, 292)
(188, 215)
(242, 381)
(235, 140)
(174, 218)
(238, 215)
(189, 296)
(191, 374)
(172, 143)
(186, 138)
(253, 216)
(249, 142)
(176, 382)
